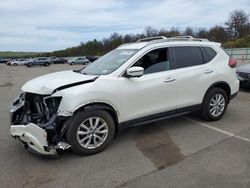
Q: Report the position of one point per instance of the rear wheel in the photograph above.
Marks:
(46, 64)
(29, 64)
(15, 64)
(214, 104)
(91, 131)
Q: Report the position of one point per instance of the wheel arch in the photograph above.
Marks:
(94, 106)
(223, 85)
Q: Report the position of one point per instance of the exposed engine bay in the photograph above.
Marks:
(40, 110)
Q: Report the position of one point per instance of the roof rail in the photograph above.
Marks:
(187, 38)
(148, 39)
(184, 37)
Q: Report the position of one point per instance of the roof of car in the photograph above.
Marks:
(182, 40)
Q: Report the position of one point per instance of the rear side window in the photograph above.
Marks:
(210, 53)
(187, 56)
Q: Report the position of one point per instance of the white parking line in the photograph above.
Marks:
(218, 130)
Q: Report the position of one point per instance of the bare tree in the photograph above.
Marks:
(237, 24)
(150, 31)
(174, 31)
(202, 33)
(217, 33)
(189, 31)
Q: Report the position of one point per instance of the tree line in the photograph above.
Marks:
(235, 32)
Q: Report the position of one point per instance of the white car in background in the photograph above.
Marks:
(137, 83)
(78, 60)
(19, 62)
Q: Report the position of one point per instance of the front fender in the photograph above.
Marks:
(76, 97)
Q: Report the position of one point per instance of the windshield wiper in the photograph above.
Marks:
(77, 71)
(80, 71)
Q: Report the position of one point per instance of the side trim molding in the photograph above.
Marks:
(157, 117)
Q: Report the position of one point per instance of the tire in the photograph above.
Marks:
(29, 65)
(80, 136)
(214, 98)
(72, 63)
(46, 64)
(15, 64)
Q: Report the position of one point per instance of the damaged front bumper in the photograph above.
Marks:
(34, 137)
(42, 139)
(35, 140)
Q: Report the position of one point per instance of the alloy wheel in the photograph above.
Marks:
(217, 105)
(92, 132)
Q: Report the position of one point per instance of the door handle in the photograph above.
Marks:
(208, 71)
(169, 79)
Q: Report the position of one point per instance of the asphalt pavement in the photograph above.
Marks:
(178, 152)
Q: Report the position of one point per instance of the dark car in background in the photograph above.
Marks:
(2, 61)
(60, 60)
(92, 58)
(57, 60)
(42, 61)
(243, 74)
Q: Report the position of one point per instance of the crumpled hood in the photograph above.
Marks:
(46, 84)
(244, 68)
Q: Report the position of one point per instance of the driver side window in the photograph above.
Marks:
(154, 61)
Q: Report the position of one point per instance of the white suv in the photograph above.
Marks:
(79, 60)
(134, 84)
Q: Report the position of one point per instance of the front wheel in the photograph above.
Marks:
(91, 131)
(214, 104)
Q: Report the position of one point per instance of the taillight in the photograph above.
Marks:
(232, 63)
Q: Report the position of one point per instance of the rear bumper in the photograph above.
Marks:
(34, 137)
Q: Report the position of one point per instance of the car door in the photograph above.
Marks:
(35, 61)
(40, 61)
(76, 60)
(193, 75)
(79, 60)
(85, 60)
(154, 93)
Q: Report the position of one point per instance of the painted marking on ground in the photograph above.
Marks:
(218, 130)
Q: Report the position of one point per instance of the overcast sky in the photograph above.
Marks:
(47, 25)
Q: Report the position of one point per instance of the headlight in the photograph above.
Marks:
(20, 99)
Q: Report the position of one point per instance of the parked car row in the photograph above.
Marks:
(46, 61)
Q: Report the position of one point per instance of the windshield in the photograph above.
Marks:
(109, 62)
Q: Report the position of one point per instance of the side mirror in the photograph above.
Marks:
(135, 72)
